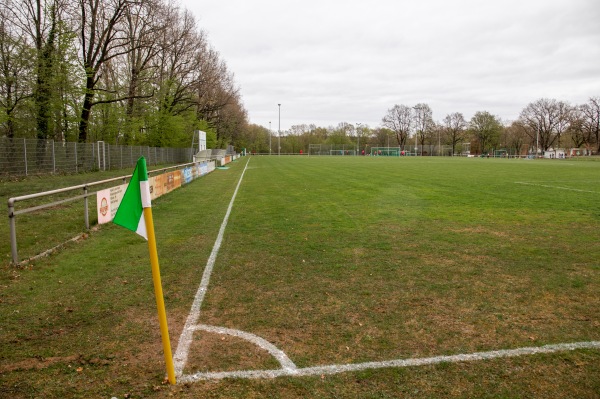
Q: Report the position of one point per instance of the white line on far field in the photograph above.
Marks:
(556, 187)
(185, 339)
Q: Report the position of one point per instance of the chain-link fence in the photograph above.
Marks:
(420, 150)
(20, 157)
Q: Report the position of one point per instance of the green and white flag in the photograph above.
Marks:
(137, 197)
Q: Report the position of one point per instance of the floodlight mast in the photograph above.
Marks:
(270, 137)
(358, 139)
(279, 132)
(537, 142)
(416, 130)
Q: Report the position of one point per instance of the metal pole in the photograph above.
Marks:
(76, 158)
(416, 130)
(85, 209)
(279, 133)
(537, 142)
(53, 158)
(269, 137)
(25, 153)
(13, 231)
(357, 139)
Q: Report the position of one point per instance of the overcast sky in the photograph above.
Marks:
(331, 61)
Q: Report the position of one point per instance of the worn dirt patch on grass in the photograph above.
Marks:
(210, 352)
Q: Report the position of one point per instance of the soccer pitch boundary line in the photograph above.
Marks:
(556, 187)
(398, 363)
(186, 337)
(288, 368)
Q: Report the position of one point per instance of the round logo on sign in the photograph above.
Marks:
(104, 207)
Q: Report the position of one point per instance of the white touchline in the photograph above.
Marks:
(185, 339)
(556, 187)
(343, 368)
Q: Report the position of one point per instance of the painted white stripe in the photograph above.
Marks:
(278, 354)
(145, 193)
(336, 369)
(556, 187)
(185, 339)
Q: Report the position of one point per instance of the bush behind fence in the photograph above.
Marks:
(23, 157)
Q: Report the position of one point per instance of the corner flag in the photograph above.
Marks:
(137, 197)
(135, 214)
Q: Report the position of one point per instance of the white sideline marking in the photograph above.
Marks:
(185, 339)
(557, 187)
(342, 368)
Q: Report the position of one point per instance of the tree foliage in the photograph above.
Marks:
(486, 129)
(122, 71)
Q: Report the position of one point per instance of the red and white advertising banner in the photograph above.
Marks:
(108, 201)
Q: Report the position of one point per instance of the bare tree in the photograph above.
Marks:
(591, 120)
(424, 123)
(144, 23)
(102, 37)
(399, 120)
(176, 62)
(547, 120)
(455, 127)
(515, 137)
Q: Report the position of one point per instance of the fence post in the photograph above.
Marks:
(53, 159)
(85, 207)
(25, 154)
(13, 231)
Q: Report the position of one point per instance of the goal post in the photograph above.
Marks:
(387, 151)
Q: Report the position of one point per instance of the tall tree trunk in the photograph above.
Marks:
(86, 109)
(42, 95)
(129, 108)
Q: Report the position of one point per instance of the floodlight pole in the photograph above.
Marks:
(270, 137)
(357, 139)
(537, 142)
(416, 130)
(279, 132)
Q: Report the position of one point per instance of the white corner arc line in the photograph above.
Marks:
(277, 353)
(185, 339)
(342, 368)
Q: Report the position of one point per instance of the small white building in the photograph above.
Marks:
(555, 153)
(576, 152)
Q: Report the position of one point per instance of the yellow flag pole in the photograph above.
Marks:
(160, 303)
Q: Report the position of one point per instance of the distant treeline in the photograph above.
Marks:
(543, 124)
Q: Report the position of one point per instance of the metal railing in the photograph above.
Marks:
(12, 213)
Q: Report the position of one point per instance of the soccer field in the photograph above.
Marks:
(364, 259)
(347, 260)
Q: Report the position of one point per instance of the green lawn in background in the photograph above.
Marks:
(334, 260)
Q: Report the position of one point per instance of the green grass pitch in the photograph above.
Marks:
(334, 260)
